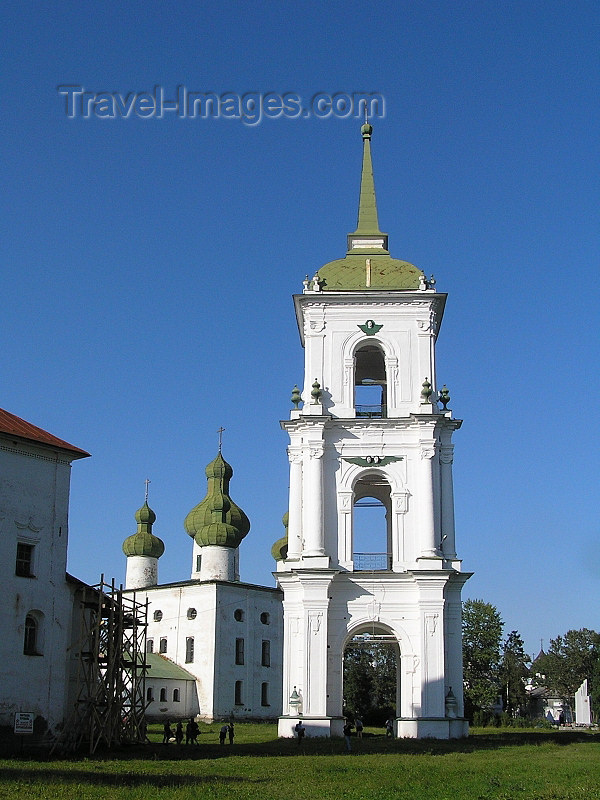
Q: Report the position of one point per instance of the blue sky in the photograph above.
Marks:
(149, 263)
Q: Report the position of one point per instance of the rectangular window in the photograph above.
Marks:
(189, 650)
(149, 645)
(238, 693)
(264, 694)
(239, 651)
(198, 563)
(24, 563)
(162, 647)
(266, 653)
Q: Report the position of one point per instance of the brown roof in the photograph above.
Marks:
(15, 426)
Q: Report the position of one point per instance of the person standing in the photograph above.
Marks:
(223, 733)
(358, 723)
(179, 732)
(300, 731)
(231, 732)
(347, 731)
(167, 732)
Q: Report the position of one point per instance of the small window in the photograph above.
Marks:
(264, 694)
(175, 695)
(149, 645)
(198, 563)
(157, 616)
(266, 653)
(163, 695)
(264, 618)
(30, 641)
(189, 650)
(149, 694)
(239, 651)
(24, 563)
(238, 615)
(239, 685)
(162, 647)
(192, 613)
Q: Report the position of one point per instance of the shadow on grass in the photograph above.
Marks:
(370, 744)
(166, 780)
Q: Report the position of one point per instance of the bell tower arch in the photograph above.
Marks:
(371, 434)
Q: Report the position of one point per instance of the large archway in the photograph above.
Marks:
(371, 675)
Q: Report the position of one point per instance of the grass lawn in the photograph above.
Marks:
(489, 765)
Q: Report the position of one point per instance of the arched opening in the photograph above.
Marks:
(370, 382)
(371, 676)
(371, 524)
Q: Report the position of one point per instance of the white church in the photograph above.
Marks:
(368, 429)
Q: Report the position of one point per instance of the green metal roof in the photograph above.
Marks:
(144, 542)
(161, 667)
(217, 520)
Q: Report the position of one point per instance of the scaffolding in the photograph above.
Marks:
(108, 685)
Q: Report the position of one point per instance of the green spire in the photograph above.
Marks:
(217, 520)
(144, 542)
(368, 222)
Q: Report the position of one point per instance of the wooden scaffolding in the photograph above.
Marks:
(109, 668)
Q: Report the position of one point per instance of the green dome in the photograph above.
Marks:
(279, 550)
(350, 273)
(217, 520)
(143, 542)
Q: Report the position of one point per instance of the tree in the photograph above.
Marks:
(595, 690)
(569, 661)
(513, 674)
(482, 633)
(370, 681)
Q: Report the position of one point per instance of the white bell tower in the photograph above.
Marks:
(371, 428)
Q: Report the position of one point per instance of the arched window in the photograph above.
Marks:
(175, 695)
(163, 695)
(370, 382)
(31, 638)
(371, 531)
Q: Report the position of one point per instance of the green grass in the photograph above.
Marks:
(490, 765)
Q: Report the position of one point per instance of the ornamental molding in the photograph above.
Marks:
(427, 451)
(447, 453)
(373, 461)
(18, 451)
(294, 455)
(28, 526)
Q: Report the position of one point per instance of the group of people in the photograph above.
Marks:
(300, 730)
(191, 732)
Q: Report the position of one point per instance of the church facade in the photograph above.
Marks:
(225, 633)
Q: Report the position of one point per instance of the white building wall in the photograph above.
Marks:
(215, 629)
(34, 500)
